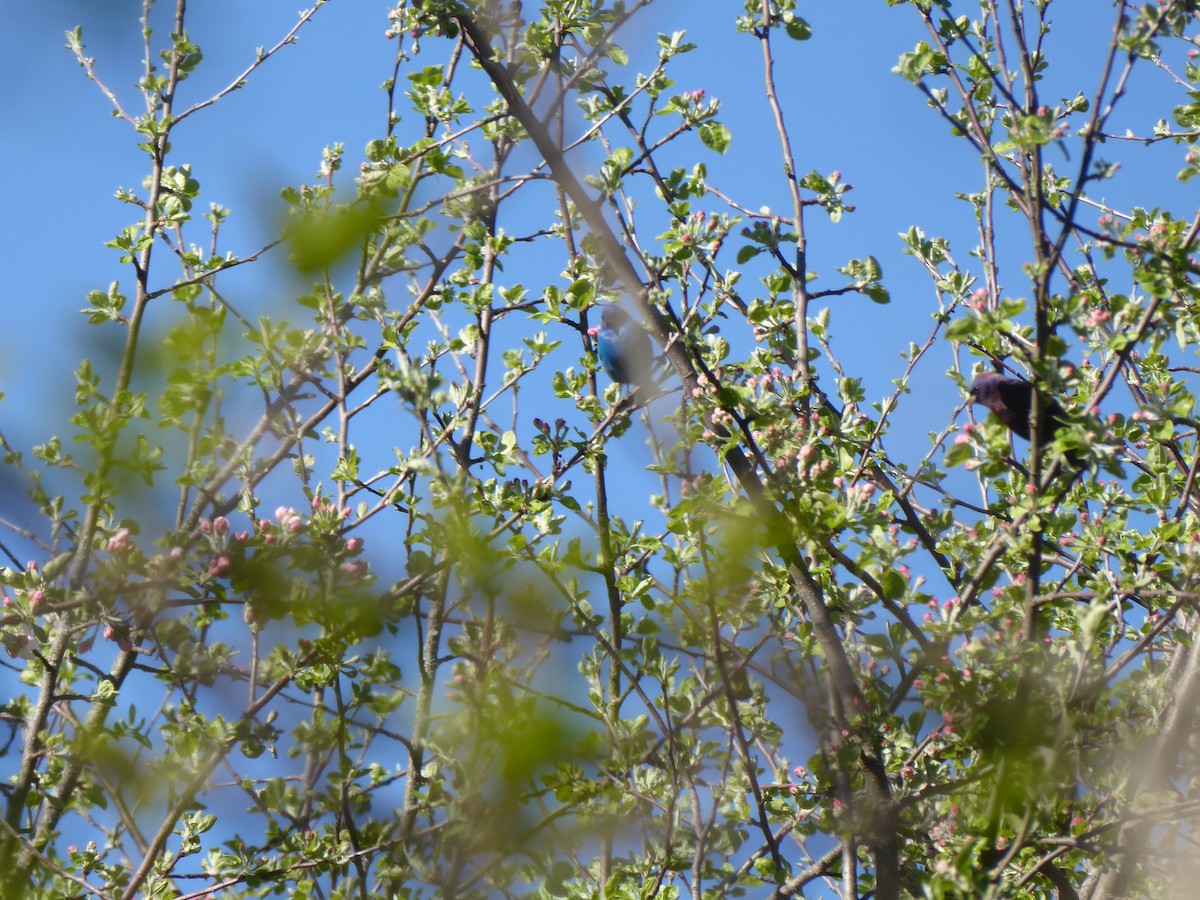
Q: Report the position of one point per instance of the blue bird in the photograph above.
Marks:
(624, 349)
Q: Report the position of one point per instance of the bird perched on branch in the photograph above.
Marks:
(624, 349)
(1011, 401)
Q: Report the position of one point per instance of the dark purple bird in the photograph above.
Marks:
(1011, 401)
(624, 349)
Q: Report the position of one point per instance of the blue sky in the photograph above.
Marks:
(64, 156)
(846, 110)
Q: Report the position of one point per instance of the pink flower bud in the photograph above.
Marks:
(119, 542)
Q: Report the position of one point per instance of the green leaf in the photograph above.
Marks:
(797, 29)
(319, 239)
(959, 454)
(715, 136)
(878, 293)
(893, 584)
(963, 328)
(747, 253)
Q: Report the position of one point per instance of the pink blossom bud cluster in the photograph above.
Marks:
(703, 230)
(773, 383)
(941, 611)
(218, 526)
(120, 541)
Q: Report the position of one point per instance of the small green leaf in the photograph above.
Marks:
(747, 253)
(959, 454)
(893, 584)
(797, 29)
(961, 329)
(715, 136)
(617, 55)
